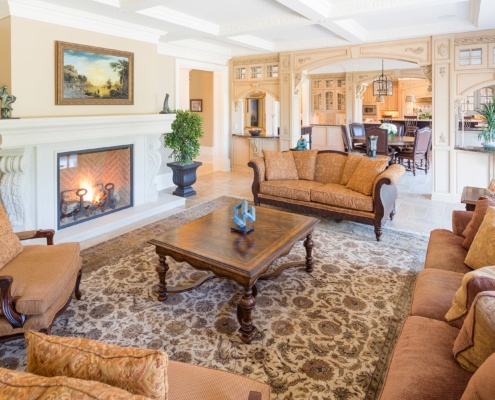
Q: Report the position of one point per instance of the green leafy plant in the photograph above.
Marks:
(187, 129)
(487, 112)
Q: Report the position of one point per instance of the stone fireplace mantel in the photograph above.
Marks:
(28, 167)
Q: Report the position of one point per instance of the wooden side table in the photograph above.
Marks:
(471, 194)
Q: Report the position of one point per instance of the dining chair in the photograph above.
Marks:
(382, 147)
(411, 125)
(357, 130)
(386, 119)
(419, 152)
(347, 142)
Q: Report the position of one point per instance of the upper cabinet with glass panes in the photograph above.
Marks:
(328, 93)
(473, 56)
(256, 72)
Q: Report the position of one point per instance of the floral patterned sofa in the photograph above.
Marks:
(344, 186)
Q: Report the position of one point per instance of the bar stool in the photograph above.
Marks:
(411, 125)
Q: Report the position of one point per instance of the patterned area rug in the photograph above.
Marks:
(324, 335)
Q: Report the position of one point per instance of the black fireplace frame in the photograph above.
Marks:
(96, 150)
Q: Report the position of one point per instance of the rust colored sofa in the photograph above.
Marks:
(423, 365)
(327, 193)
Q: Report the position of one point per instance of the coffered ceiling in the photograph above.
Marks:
(245, 27)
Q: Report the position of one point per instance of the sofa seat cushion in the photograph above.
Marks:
(422, 365)
(338, 195)
(481, 386)
(445, 252)
(191, 382)
(22, 385)
(434, 291)
(289, 189)
(41, 274)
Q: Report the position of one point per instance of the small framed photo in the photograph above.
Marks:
(491, 188)
(196, 105)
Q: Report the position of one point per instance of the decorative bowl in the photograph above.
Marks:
(254, 132)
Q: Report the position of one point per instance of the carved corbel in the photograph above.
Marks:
(11, 187)
(299, 80)
(360, 89)
(427, 71)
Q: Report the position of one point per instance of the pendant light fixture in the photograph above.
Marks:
(410, 97)
(383, 85)
(379, 99)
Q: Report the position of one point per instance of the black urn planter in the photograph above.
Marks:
(184, 176)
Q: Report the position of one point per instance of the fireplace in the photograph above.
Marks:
(93, 183)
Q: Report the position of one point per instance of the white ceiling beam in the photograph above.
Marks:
(253, 42)
(181, 19)
(348, 29)
(137, 5)
(311, 9)
(482, 13)
(263, 23)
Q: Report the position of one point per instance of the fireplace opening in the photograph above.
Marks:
(93, 183)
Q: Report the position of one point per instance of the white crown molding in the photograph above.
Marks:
(256, 24)
(54, 14)
(4, 9)
(310, 44)
(312, 9)
(196, 50)
(178, 18)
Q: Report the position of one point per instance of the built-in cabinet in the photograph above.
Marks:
(256, 72)
(328, 94)
(327, 138)
(244, 148)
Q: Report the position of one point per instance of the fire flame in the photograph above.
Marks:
(92, 195)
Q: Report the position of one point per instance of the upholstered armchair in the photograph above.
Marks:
(36, 281)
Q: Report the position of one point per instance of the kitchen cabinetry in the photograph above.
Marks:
(328, 94)
(391, 102)
(327, 137)
(244, 148)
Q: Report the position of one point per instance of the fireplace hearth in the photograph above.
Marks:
(93, 183)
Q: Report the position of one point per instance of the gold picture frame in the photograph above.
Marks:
(93, 75)
(196, 105)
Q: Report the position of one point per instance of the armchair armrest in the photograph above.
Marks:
(16, 319)
(460, 220)
(41, 233)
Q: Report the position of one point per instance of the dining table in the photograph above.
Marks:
(393, 140)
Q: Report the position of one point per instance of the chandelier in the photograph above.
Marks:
(383, 85)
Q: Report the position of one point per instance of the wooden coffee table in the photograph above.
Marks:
(208, 244)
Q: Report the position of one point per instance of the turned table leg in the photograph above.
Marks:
(244, 310)
(308, 243)
(162, 269)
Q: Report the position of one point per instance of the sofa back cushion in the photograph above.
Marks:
(353, 161)
(139, 371)
(280, 165)
(305, 161)
(482, 251)
(330, 167)
(476, 339)
(473, 282)
(22, 385)
(472, 227)
(481, 386)
(364, 175)
(10, 245)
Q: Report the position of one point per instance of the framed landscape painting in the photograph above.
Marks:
(93, 75)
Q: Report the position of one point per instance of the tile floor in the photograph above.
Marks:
(415, 210)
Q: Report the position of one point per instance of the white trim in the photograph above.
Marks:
(4, 9)
(55, 14)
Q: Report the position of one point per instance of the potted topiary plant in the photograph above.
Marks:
(184, 143)
(487, 134)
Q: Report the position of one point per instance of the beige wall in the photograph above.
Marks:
(166, 81)
(5, 52)
(201, 87)
(33, 69)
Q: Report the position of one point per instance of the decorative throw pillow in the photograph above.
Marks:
(482, 251)
(479, 213)
(476, 339)
(138, 371)
(22, 385)
(330, 167)
(280, 166)
(473, 282)
(351, 164)
(305, 161)
(10, 245)
(364, 176)
(481, 386)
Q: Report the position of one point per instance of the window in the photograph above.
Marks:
(256, 72)
(486, 95)
(240, 73)
(272, 71)
(470, 57)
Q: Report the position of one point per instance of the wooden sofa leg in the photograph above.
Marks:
(378, 231)
(77, 292)
(392, 214)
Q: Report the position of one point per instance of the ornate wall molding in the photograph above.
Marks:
(11, 187)
(153, 162)
(417, 50)
(360, 89)
(475, 39)
(442, 50)
(302, 60)
(271, 58)
(427, 70)
(443, 71)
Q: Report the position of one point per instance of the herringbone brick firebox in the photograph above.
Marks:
(93, 183)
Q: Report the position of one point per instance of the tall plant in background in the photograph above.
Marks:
(187, 129)
(487, 112)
